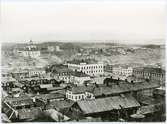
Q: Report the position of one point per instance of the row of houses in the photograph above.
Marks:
(24, 73)
(140, 72)
(118, 101)
(62, 72)
(101, 90)
(157, 74)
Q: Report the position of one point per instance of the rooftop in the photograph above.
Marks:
(29, 113)
(79, 74)
(55, 88)
(107, 104)
(19, 101)
(151, 69)
(21, 97)
(8, 79)
(81, 89)
(121, 66)
(60, 104)
(86, 61)
(50, 96)
(60, 68)
(121, 87)
(36, 78)
(148, 109)
(46, 86)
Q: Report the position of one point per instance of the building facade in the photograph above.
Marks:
(36, 72)
(87, 67)
(79, 93)
(79, 78)
(62, 72)
(122, 70)
(157, 74)
(30, 50)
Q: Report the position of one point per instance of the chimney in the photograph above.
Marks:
(126, 80)
(132, 82)
(86, 84)
(96, 84)
(147, 80)
(117, 81)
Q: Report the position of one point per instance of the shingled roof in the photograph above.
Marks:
(81, 89)
(107, 104)
(50, 96)
(29, 113)
(60, 104)
(121, 87)
(19, 101)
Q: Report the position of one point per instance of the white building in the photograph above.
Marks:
(30, 50)
(51, 48)
(122, 70)
(87, 67)
(36, 72)
(58, 48)
(79, 93)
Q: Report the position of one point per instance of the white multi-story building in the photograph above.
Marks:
(122, 70)
(30, 50)
(88, 67)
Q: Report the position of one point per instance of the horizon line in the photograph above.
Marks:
(90, 41)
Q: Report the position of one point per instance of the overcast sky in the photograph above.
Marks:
(74, 20)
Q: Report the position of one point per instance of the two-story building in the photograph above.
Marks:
(122, 70)
(150, 73)
(62, 72)
(87, 66)
(30, 50)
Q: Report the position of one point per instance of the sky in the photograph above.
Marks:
(129, 21)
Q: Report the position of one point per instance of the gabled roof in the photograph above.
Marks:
(29, 113)
(87, 61)
(8, 79)
(18, 84)
(150, 69)
(21, 97)
(60, 68)
(46, 85)
(81, 89)
(79, 74)
(50, 96)
(19, 101)
(123, 87)
(114, 88)
(60, 104)
(149, 109)
(55, 88)
(107, 104)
